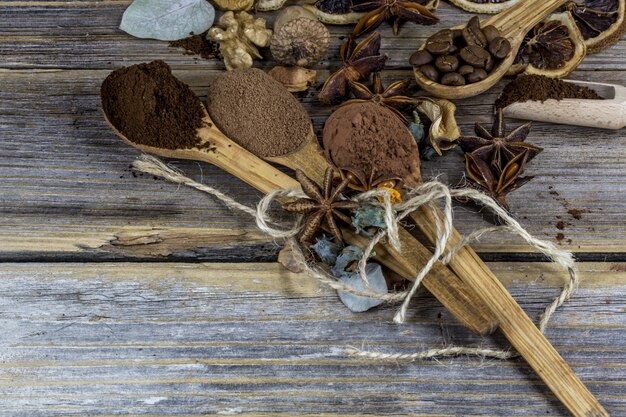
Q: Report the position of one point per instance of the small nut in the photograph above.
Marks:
(447, 63)
(420, 58)
(473, 35)
(500, 47)
(295, 79)
(430, 72)
(453, 79)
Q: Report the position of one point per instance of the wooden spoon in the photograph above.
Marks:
(229, 156)
(608, 113)
(460, 299)
(513, 24)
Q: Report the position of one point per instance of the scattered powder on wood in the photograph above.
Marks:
(367, 136)
(542, 88)
(150, 106)
(257, 112)
(198, 45)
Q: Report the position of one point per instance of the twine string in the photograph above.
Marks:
(425, 194)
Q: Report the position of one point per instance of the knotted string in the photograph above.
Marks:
(425, 194)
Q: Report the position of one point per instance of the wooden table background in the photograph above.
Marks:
(125, 295)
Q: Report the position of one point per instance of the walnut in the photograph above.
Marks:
(239, 35)
(299, 38)
(295, 79)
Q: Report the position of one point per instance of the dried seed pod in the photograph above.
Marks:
(554, 48)
(444, 130)
(299, 41)
(295, 79)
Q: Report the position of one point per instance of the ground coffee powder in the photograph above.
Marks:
(541, 88)
(368, 136)
(149, 106)
(198, 45)
(257, 112)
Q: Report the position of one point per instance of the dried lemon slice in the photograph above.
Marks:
(554, 48)
(484, 6)
(601, 22)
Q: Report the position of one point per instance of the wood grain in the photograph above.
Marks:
(252, 339)
(64, 175)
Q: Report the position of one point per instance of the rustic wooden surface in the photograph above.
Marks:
(106, 306)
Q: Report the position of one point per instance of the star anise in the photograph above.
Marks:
(322, 206)
(496, 147)
(390, 97)
(359, 181)
(498, 186)
(359, 61)
(395, 10)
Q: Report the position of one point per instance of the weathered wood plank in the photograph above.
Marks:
(66, 178)
(66, 190)
(193, 339)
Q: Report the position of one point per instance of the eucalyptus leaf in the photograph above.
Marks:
(167, 20)
(367, 216)
(326, 250)
(376, 281)
(345, 259)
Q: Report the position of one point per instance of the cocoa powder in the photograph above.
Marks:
(150, 106)
(541, 88)
(198, 45)
(257, 112)
(367, 136)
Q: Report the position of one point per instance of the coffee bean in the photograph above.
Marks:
(500, 47)
(465, 69)
(420, 58)
(440, 43)
(453, 78)
(479, 74)
(447, 63)
(430, 72)
(476, 56)
(473, 35)
(489, 64)
(491, 32)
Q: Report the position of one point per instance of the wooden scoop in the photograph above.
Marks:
(513, 24)
(608, 113)
(234, 159)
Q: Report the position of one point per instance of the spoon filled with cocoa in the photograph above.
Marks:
(467, 60)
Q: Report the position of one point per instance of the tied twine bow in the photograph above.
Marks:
(425, 194)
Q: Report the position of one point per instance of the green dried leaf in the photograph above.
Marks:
(326, 250)
(167, 20)
(345, 260)
(368, 216)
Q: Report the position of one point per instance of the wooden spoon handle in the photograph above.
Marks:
(461, 301)
(516, 325)
(517, 21)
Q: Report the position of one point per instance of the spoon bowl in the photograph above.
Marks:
(513, 25)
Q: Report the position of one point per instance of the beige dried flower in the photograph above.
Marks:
(300, 39)
(239, 35)
(295, 79)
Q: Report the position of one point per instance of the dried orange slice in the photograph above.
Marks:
(554, 48)
(484, 6)
(601, 22)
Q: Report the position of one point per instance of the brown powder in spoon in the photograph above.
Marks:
(257, 112)
(368, 136)
(542, 88)
(150, 106)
